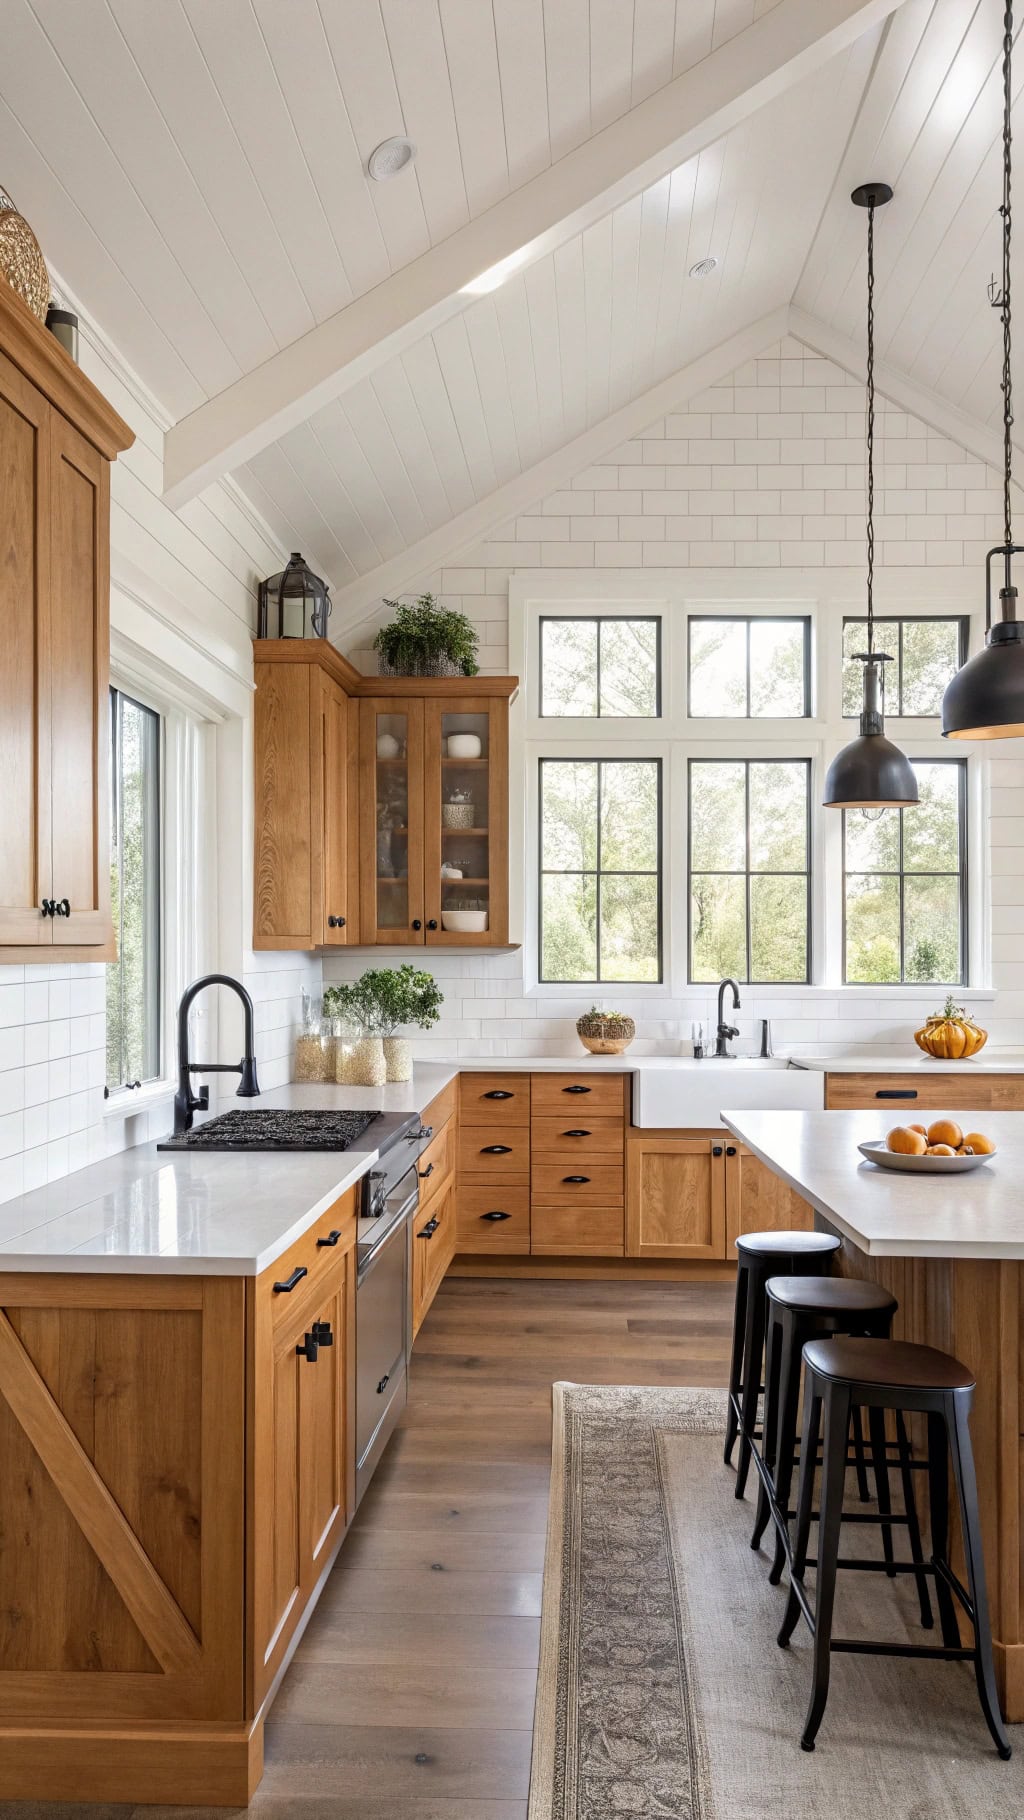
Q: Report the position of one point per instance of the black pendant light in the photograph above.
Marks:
(985, 699)
(871, 773)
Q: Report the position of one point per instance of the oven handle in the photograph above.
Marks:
(395, 1229)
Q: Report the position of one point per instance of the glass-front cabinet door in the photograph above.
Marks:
(465, 847)
(391, 812)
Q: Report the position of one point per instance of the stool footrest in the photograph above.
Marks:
(934, 1652)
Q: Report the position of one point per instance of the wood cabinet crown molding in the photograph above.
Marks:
(42, 359)
(426, 688)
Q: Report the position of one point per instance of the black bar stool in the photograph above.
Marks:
(803, 1308)
(877, 1375)
(761, 1255)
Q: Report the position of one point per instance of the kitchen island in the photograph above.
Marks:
(951, 1249)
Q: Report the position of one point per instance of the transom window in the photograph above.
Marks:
(750, 870)
(904, 878)
(749, 667)
(601, 668)
(600, 857)
(134, 979)
(926, 653)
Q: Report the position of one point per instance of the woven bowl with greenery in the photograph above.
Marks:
(605, 1032)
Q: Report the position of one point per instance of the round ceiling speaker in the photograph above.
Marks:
(704, 267)
(390, 157)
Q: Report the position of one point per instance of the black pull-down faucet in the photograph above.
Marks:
(725, 1031)
(185, 1101)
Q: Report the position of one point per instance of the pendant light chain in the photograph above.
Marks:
(871, 428)
(1002, 299)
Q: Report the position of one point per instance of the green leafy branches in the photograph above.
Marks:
(386, 997)
(425, 639)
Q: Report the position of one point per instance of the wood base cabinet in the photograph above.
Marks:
(177, 1480)
(58, 437)
(691, 1197)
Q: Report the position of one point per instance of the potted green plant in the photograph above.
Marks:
(426, 639)
(383, 1000)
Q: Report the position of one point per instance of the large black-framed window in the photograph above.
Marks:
(750, 870)
(600, 666)
(926, 651)
(905, 885)
(600, 827)
(134, 993)
(744, 666)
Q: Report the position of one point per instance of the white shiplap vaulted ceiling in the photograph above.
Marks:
(195, 170)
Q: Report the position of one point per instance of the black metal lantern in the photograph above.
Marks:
(294, 604)
(870, 772)
(985, 699)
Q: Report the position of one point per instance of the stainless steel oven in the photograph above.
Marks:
(383, 1330)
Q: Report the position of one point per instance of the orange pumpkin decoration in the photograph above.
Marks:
(951, 1036)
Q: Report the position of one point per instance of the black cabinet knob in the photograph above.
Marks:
(575, 1178)
(64, 907)
(575, 1089)
(289, 1283)
(498, 1093)
(335, 922)
(309, 1349)
(416, 923)
(322, 1333)
(432, 924)
(331, 1239)
(716, 1149)
(495, 1149)
(495, 1215)
(730, 1150)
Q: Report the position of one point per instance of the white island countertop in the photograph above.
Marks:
(914, 1061)
(204, 1213)
(890, 1214)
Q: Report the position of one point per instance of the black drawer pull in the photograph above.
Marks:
(290, 1283)
(385, 1381)
(716, 1149)
(575, 1178)
(498, 1093)
(576, 1134)
(331, 1239)
(428, 1230)
(575, 1089)
(322, 1333)
(895, 1093)
(495, 1149)
(429, 1170)
(495, 1216)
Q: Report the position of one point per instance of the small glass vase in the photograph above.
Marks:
(368, 1067)
(347, 1039)
(398, 1057)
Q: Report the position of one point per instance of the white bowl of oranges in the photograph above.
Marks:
(941, 1148)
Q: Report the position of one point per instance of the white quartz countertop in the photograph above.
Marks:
(913, 1060)
(976, 1215)
(209, 1213)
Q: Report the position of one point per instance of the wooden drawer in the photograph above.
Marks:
(479, 1230)
(596, 1095)
(486, 1098)
(437, 1161)
(577, 1231)
(433, 1247)
(328, 1239)
(558, 1140)
(580, 1182)
(900, 1094)
(494, 1152)
(443, 1106)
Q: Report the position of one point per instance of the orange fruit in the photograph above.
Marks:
(980, 1144)
(923, 1129)
(906, 1141)
(945, 1131)
(940, 1150)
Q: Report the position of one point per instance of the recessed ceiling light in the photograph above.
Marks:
(390, 157)
(704, 267)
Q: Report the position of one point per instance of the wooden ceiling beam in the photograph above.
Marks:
(785, 45)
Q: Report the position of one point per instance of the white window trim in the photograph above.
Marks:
(826, 597)
(184, 871)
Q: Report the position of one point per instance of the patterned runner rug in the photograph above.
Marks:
(662, 1694)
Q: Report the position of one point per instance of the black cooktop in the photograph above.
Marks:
(270, 1128)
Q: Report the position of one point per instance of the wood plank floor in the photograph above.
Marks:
(411, 1695)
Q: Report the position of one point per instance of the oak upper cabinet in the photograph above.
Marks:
(58, 437)
(675, 1197)
(434, 802)
(305, 731)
